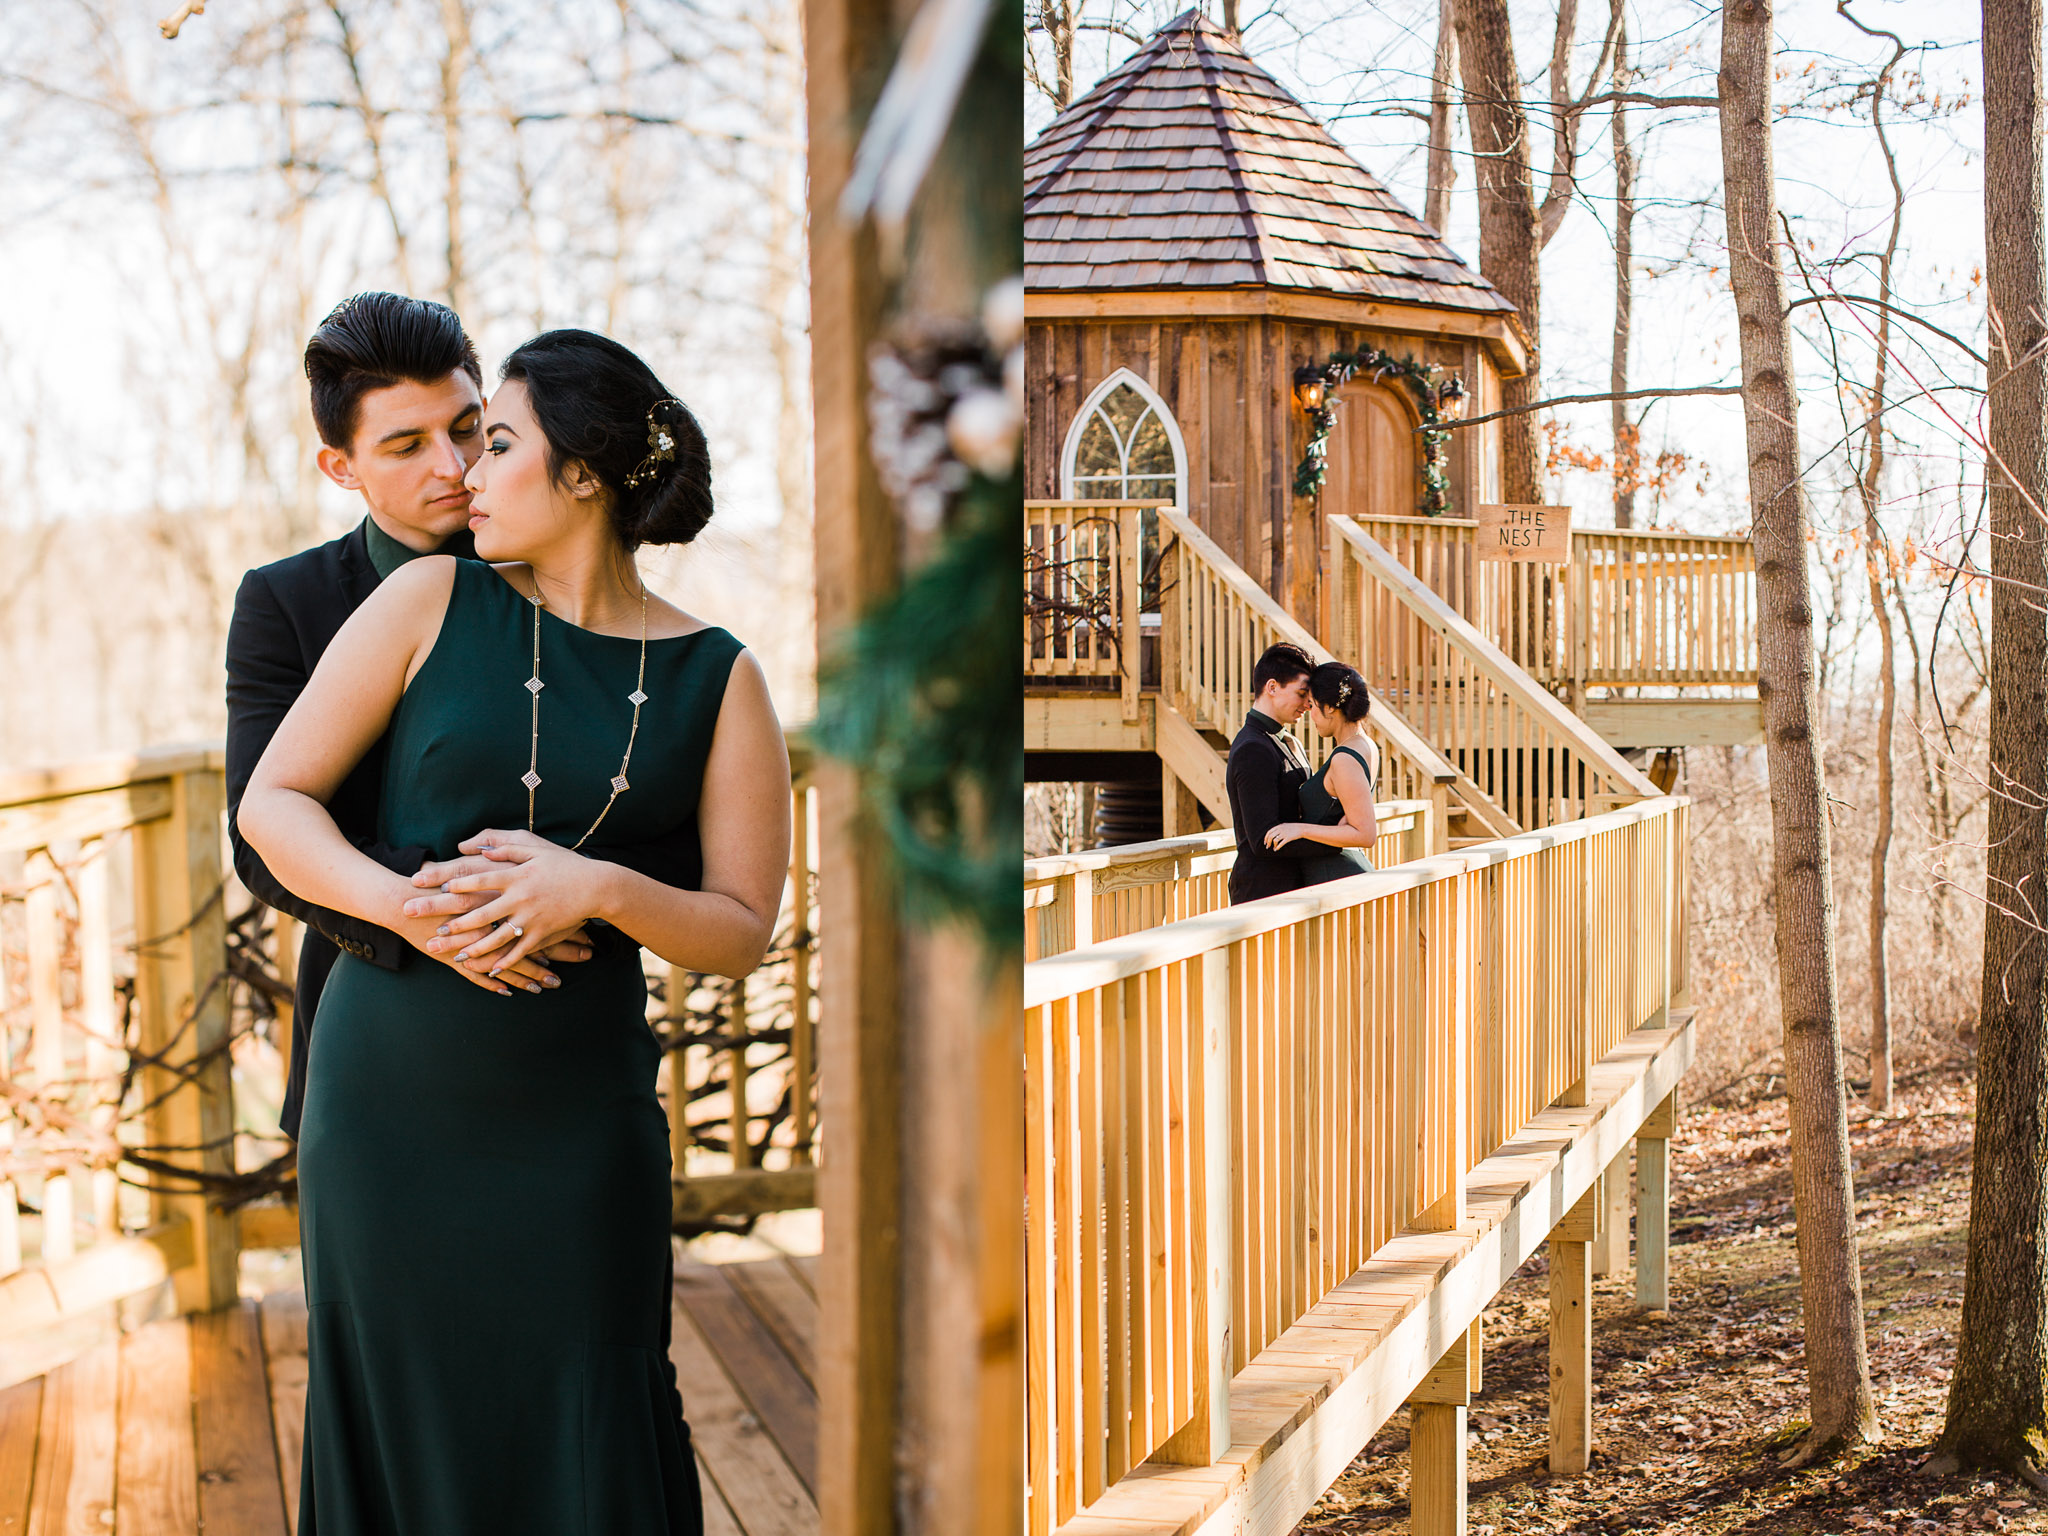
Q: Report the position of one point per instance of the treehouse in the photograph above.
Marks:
(1279, 1157)
(1203, 262)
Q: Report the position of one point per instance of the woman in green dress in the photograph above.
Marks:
(1336, 802)
(484, 1175)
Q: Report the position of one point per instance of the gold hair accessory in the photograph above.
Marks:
(661, 445)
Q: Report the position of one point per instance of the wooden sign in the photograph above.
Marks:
(1525, 533)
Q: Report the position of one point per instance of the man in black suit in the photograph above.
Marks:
(1265, 775)
(397, 398)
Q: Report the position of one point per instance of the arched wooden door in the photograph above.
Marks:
(1375, 455)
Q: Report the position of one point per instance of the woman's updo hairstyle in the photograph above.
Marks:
(601, 407)
(1336, 686)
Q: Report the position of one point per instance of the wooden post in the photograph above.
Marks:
(1439, 818)
(1571, 1336)
(1582, 1006)
(737, 1073)
(1653, 1206)
(1610, 1249)
(1130, 628)
(181, 932)
(1436, 1443)
(46, 1051)
(1206, 1436)
(1452, 1035)
(1180, 815)
(803, 1035)
(102, 1032)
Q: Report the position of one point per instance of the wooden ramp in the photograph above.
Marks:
(196, 1422)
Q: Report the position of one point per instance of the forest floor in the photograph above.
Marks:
(1694, 1408)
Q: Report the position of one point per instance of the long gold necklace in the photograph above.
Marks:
(531, 778)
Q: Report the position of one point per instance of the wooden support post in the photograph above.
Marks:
(803, 1038)
(1180, 813)
(738, 1031)
(1610, 1249)
(1206, 1436)
(1653, 1206)
(1439, 819)
(1436, 1443)
(1571, 1336)
(182, 1000)
(1581, 1006)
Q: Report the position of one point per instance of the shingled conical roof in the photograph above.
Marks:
(1190, 167)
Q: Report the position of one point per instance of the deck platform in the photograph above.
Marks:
(196, 1423)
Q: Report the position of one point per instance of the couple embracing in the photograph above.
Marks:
(474, 753)
(1295, 828)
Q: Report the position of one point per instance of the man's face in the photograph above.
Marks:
(1285, 701)
(413, 445)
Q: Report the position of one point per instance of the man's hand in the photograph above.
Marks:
(540, 894)
(566, 947)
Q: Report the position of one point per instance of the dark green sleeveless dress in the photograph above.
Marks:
(1323, 809)
(484, 1180)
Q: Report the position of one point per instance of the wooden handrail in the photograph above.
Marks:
(1385, 722)
(1083, 898)
(1619, 535)
(1499, 669)
(1111, 960)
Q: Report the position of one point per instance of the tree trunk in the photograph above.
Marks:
(1877, 560)
(454, 65)
(1627, 440)
(1998, 1395)
(1838, 1368)
(1230, 19)
(1443, 170)
(1510, 237)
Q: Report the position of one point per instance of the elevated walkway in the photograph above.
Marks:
(1279, 1157)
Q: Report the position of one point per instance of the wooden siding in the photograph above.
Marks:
(1229, 383)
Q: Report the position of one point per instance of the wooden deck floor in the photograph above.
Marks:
(191, 1422)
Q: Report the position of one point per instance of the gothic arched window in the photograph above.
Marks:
(1125, 444)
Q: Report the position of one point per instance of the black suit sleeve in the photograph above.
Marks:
(1254, 783)
(265, 678)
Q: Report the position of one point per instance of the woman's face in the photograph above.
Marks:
(516, 509)
(1325, 721)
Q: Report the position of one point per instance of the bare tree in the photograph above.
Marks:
(1627, 465)
(1998, 1394)
(1443, 168)
(1831, 1289)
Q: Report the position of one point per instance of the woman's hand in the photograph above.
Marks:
(544, 894)
(1286, 832)
(529, 975)
(443, 903)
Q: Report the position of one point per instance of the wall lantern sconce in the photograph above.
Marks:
(1308, 388)
(1450, 398)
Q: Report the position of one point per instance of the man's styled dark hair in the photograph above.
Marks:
(373, 341)
(1281, 663)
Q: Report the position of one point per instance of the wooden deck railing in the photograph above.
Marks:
(1529, 753)
(1082, 591)
(1217, 623)
(1082, 898)
(1226, 1116)
(134, 973)
(1635, 608)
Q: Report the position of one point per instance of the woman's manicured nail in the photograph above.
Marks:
(533, 987)
(551, 980)
(442, 930)
(461, 955)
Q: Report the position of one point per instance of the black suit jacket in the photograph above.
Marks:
(286, 614)
(1264, 783)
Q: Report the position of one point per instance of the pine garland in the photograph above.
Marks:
(1339, 371)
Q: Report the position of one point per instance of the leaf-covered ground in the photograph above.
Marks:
(1692, 1409)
